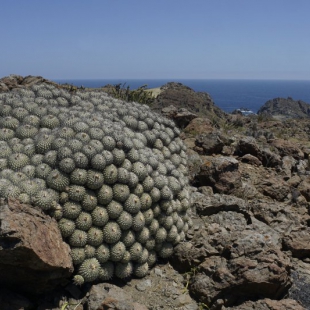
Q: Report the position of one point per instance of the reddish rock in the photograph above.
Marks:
(33, 257)
(220, 172)
(211, 143)
(198, 126)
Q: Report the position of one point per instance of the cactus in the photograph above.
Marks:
(113, 174)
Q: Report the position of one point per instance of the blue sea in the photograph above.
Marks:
(226, 94)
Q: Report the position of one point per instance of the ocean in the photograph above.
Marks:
(226, 94)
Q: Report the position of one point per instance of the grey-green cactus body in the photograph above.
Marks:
(113, 174)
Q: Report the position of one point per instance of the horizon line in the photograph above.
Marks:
(172, 79)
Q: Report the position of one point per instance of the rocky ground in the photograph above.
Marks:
(249, 247)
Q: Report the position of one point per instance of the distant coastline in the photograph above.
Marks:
(228, 95)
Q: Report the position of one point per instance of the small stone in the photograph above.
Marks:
(158, 272)
(143, 285)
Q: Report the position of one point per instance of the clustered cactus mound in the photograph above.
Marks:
(113, 174)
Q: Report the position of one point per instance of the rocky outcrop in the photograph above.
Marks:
(181, 96)
(33, 256)
(17, 81)
(285, 108)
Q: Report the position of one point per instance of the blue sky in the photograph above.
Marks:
(251, 39)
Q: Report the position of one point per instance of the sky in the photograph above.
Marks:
(156, 39)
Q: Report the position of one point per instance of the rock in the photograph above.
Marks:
(294, 181)
(105, 296)
(232, 255)
(211, 143)
(181, 116)
(163, 288)
(248, 145)
(256, 269)
(198, 126)
(283, 218)
(268, 304)
(220, 172)
(301, 283)
(269, 158)
(228, 150)
(3, 87)
(304, 188)
(250, 159)
(13, 301)
(282, 108)
(287, 148)
(288, 164)
(212, 204)
(33, 257)
(298, 242)
(194, 163)
(182, 96)
(302, 167)
(17, 81)
(274, 187)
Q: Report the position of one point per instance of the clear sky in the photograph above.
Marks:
(257, 39)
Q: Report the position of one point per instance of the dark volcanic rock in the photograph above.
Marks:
(286, 108)
(13, 301)
(33, 257)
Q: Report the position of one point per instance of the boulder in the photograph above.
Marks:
(298, 242)
(300, 288)
(33, 256)
(220, 172)
(288, 164)
(108, 296)
(248, 145)
(211, 143)
(274, 187)
(287, 148)
(181, 116)
(230, 255)
(269, 158)
(304, 188)
(250, 159)
(198, 126)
